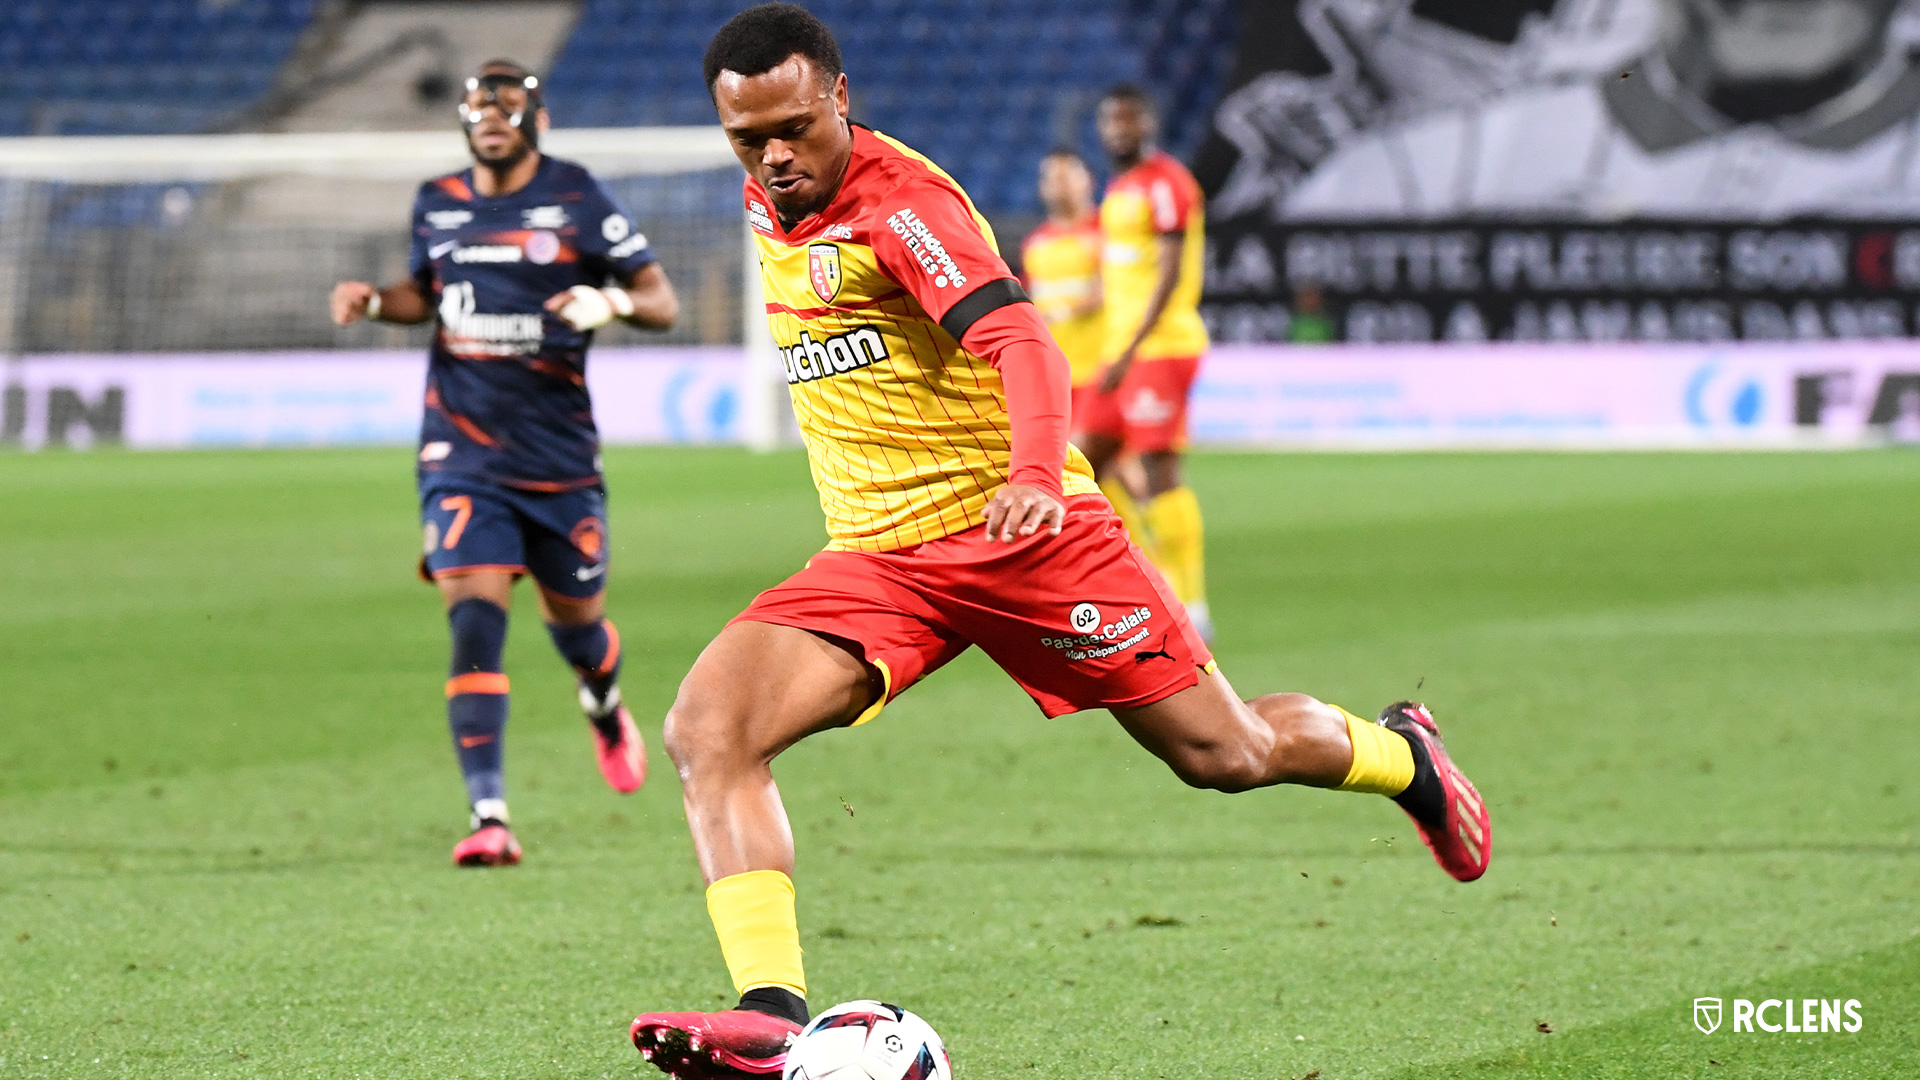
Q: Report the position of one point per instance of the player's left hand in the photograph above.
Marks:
(1017, 511)
(1116, 373)
(584, 307)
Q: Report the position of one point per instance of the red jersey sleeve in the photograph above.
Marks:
(927, 240)
(1171, 199)
(1039, 391)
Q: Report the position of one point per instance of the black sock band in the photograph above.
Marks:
(775, 1001)
(594, 652)
(1426, 797)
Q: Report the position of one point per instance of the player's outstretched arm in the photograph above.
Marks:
(1039, 396)
(647, 300)
(655, 305)
(1168, 270)
(400, 303)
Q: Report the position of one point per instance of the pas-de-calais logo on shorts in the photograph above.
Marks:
(1083, 618)
(1803, 1016)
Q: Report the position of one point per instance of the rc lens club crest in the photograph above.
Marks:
(823, 267)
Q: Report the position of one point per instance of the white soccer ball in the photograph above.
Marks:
(867, 1040)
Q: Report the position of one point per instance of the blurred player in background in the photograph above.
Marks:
(1151, 269)
(934, 404)
(520, 257)
(1061, 264)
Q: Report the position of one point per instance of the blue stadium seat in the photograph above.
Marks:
(111, 67)
(975, 84)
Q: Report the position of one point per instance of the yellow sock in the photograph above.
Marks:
(1129, 513)
(1179, 543)
(1382, 760)
(759, 935)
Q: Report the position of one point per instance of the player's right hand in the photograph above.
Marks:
(1017, 511)
(584, 307)
(350, 300)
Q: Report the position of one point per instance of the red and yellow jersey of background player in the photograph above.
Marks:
(1062, 265)
(1155, 197)
(907, 433)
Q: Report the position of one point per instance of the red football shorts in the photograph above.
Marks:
(1080, 620)
(1148, 413)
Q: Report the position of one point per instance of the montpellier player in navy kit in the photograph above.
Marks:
(519, 259)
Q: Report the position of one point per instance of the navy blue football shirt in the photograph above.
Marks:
(506, 381)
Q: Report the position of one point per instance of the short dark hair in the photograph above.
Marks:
(762, 37)
(514, 66)
(1065, 152)
(1131, 92)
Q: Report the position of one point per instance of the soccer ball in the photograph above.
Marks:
(867, 1040)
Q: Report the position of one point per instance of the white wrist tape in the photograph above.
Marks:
(590, 308)
(373, 305)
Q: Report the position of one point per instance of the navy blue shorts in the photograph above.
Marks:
(472, 524)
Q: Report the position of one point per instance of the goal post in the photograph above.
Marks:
(211, 243)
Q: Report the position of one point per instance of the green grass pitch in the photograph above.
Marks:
(1688, 686)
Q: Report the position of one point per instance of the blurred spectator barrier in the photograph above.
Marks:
(189, 244)
(1336, 397)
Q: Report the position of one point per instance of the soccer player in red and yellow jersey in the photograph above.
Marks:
(934, 406)
(1151, 269)
(1061, 263)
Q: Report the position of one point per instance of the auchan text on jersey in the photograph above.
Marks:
(811, 359)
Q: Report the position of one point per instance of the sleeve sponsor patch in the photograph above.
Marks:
(1166, 208)
(630, 246)
(926, 248)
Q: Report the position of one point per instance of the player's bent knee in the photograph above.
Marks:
(572, 611)
(700, 736)
(706, 731)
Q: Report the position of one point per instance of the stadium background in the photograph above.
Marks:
(938, 75)
(1270, 104)
(1686, 677)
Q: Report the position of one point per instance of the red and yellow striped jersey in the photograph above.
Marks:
(1062, 267)
(906, 431)
(1154, 198)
